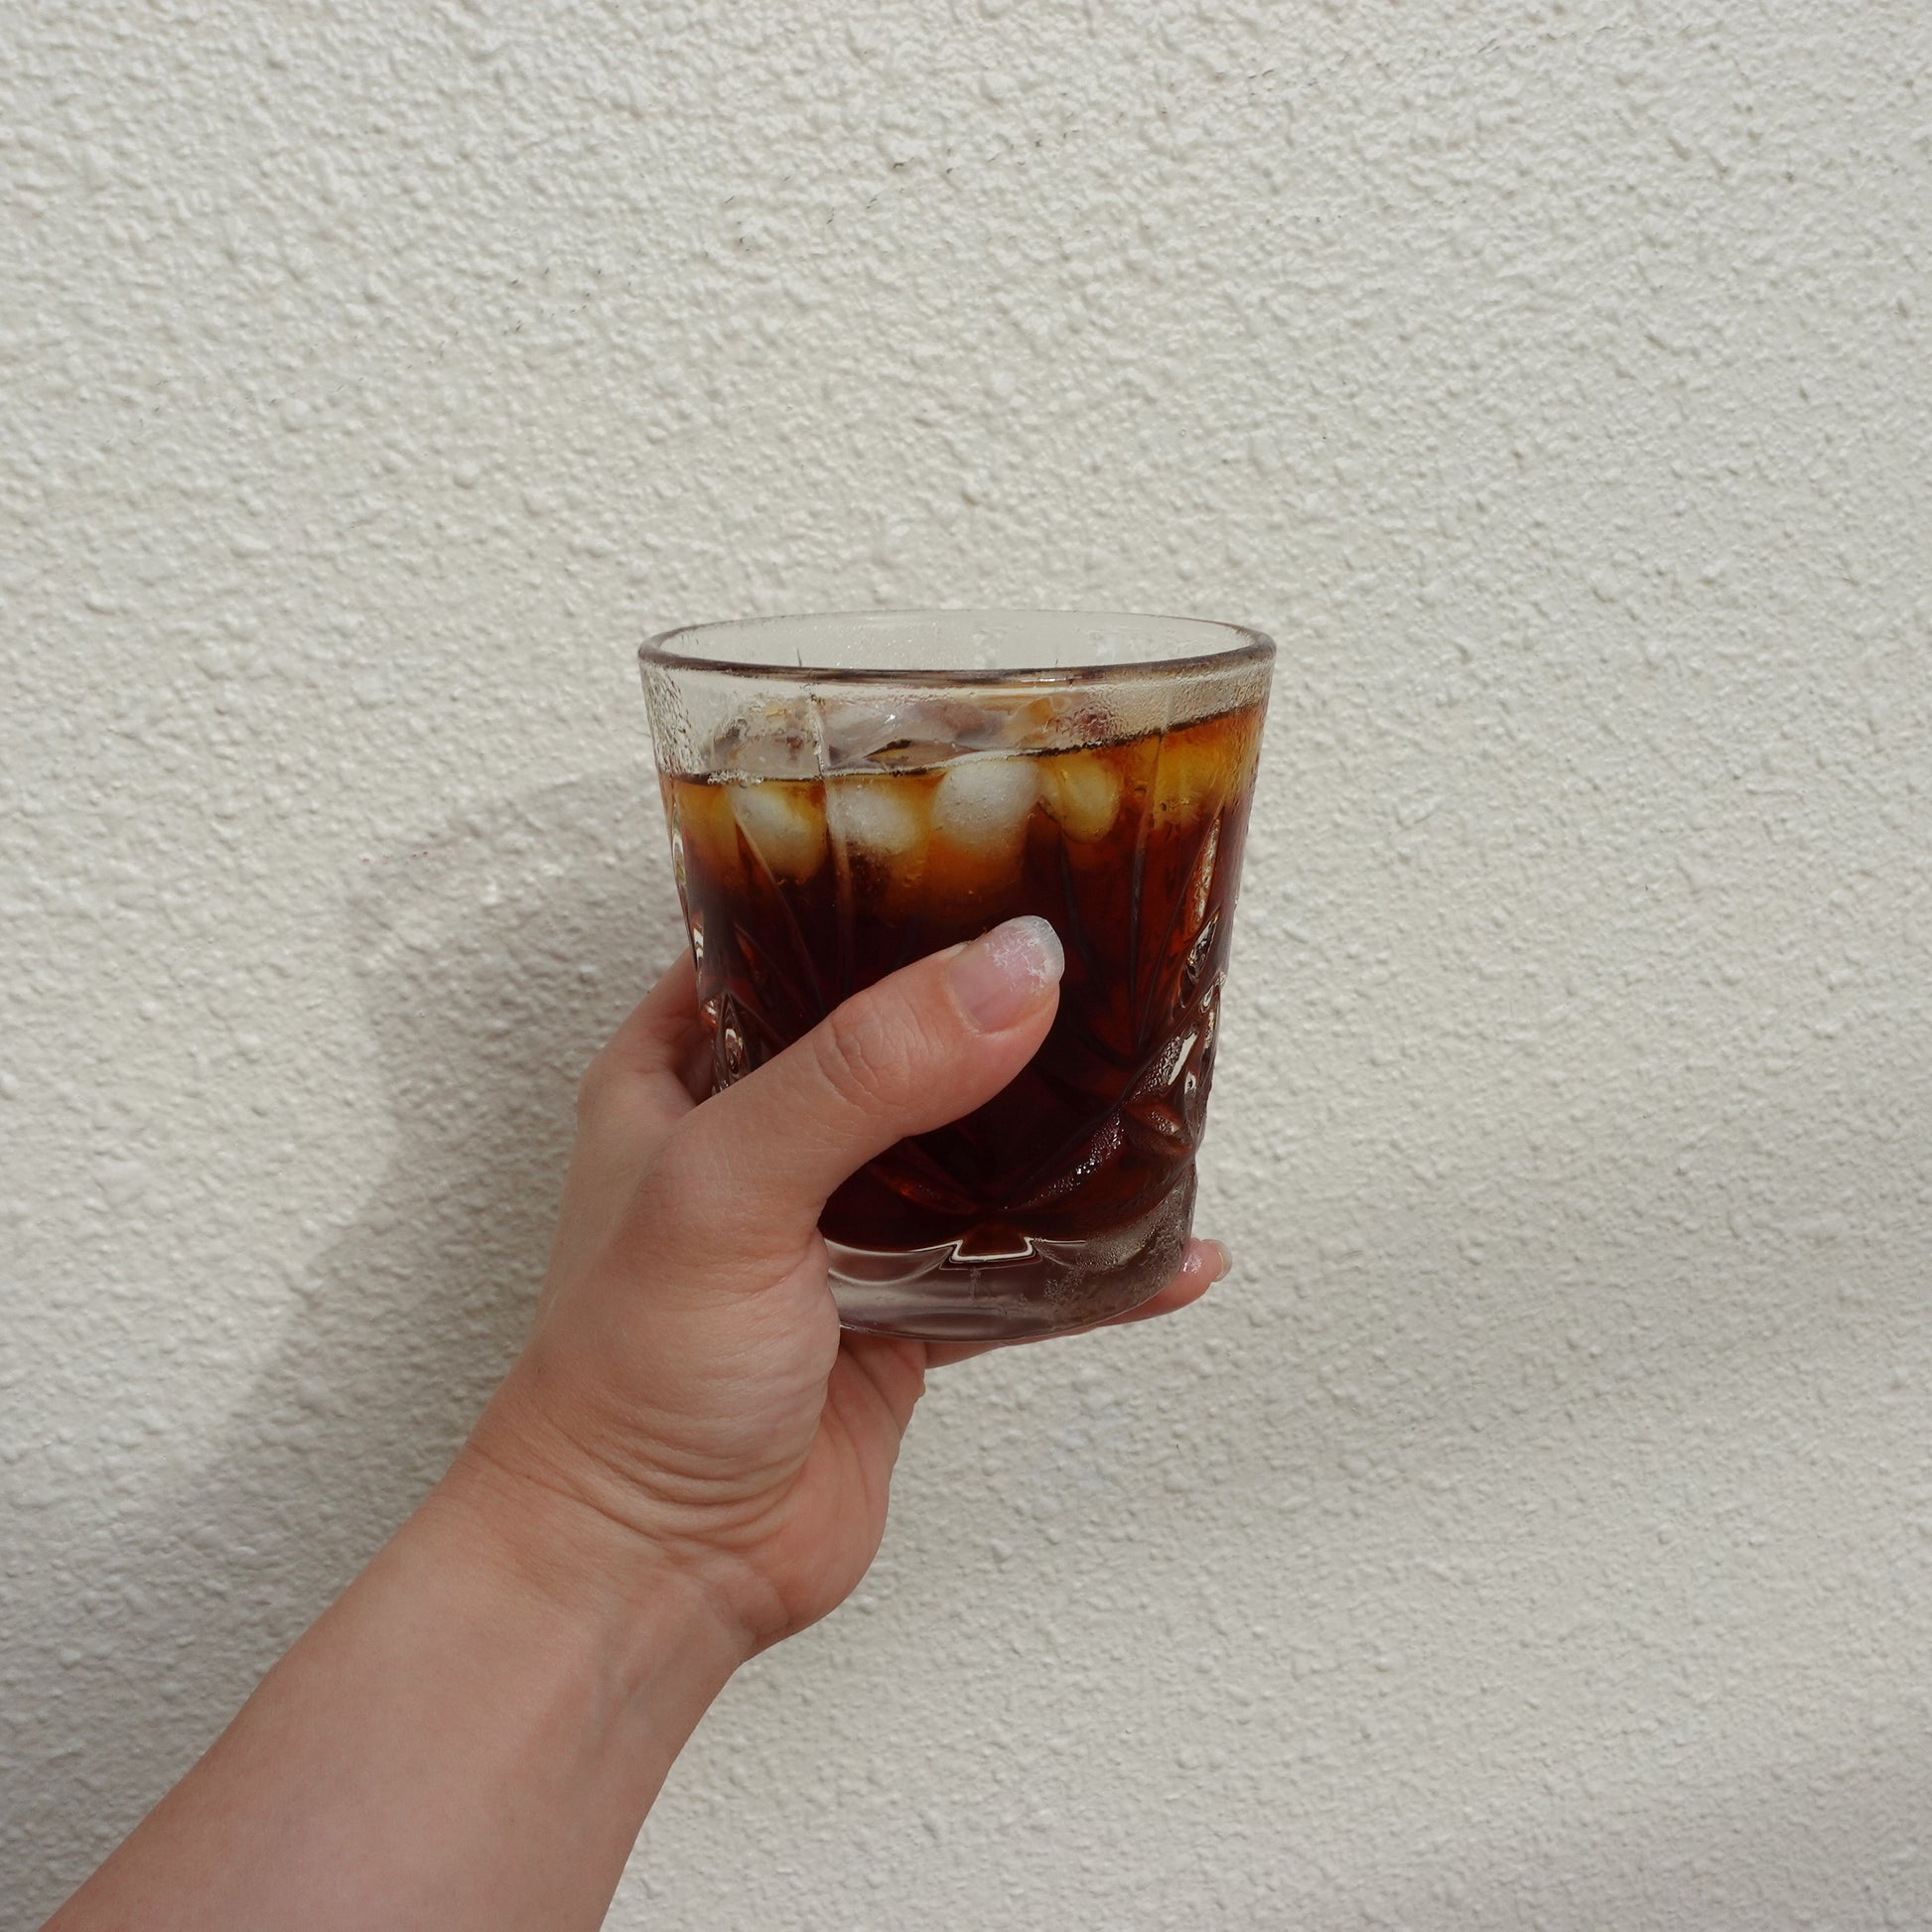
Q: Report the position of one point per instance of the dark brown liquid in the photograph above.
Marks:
(1131, 850)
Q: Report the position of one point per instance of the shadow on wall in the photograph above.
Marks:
(494, 958)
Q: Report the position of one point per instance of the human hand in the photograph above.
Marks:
(687, 1391)
(688, 1461)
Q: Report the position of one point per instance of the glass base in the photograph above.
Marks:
(1041, 1288)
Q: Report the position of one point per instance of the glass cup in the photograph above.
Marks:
(848, 792)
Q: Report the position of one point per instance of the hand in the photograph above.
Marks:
(688, 1461)
(686, 1389)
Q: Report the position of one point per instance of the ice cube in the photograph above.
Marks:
(982, 804)
(854, 731)
(782, 823)
(918, 753)
(1052, 721)
(776, 740)
(1083, 792)
(1192, 779)
(904, 734)
(875, 817)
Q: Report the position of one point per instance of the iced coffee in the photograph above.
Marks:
(825, 836)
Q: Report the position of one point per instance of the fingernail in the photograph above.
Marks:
(1223, 1260)
(1003, 973)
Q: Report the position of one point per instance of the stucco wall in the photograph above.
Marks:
(1537, 1530)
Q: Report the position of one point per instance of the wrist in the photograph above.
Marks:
(595, 1582)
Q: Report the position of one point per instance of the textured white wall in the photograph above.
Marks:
(1538, 1529)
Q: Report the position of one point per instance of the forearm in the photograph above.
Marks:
(469, 1737)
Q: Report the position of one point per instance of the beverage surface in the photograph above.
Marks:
(800, 890)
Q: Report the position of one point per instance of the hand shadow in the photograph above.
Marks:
(494, 958)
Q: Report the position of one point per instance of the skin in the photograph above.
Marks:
(688, 1462)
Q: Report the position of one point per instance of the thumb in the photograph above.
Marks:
(748, 1172)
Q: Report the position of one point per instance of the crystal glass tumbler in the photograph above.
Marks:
(848, 792)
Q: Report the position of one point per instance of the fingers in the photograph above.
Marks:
(1204, 1264)
(636, 1089)
(657, 1057)
(748, 1172)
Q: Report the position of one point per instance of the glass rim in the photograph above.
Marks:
(1250, 646)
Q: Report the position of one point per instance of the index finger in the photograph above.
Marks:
(657, 1066)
